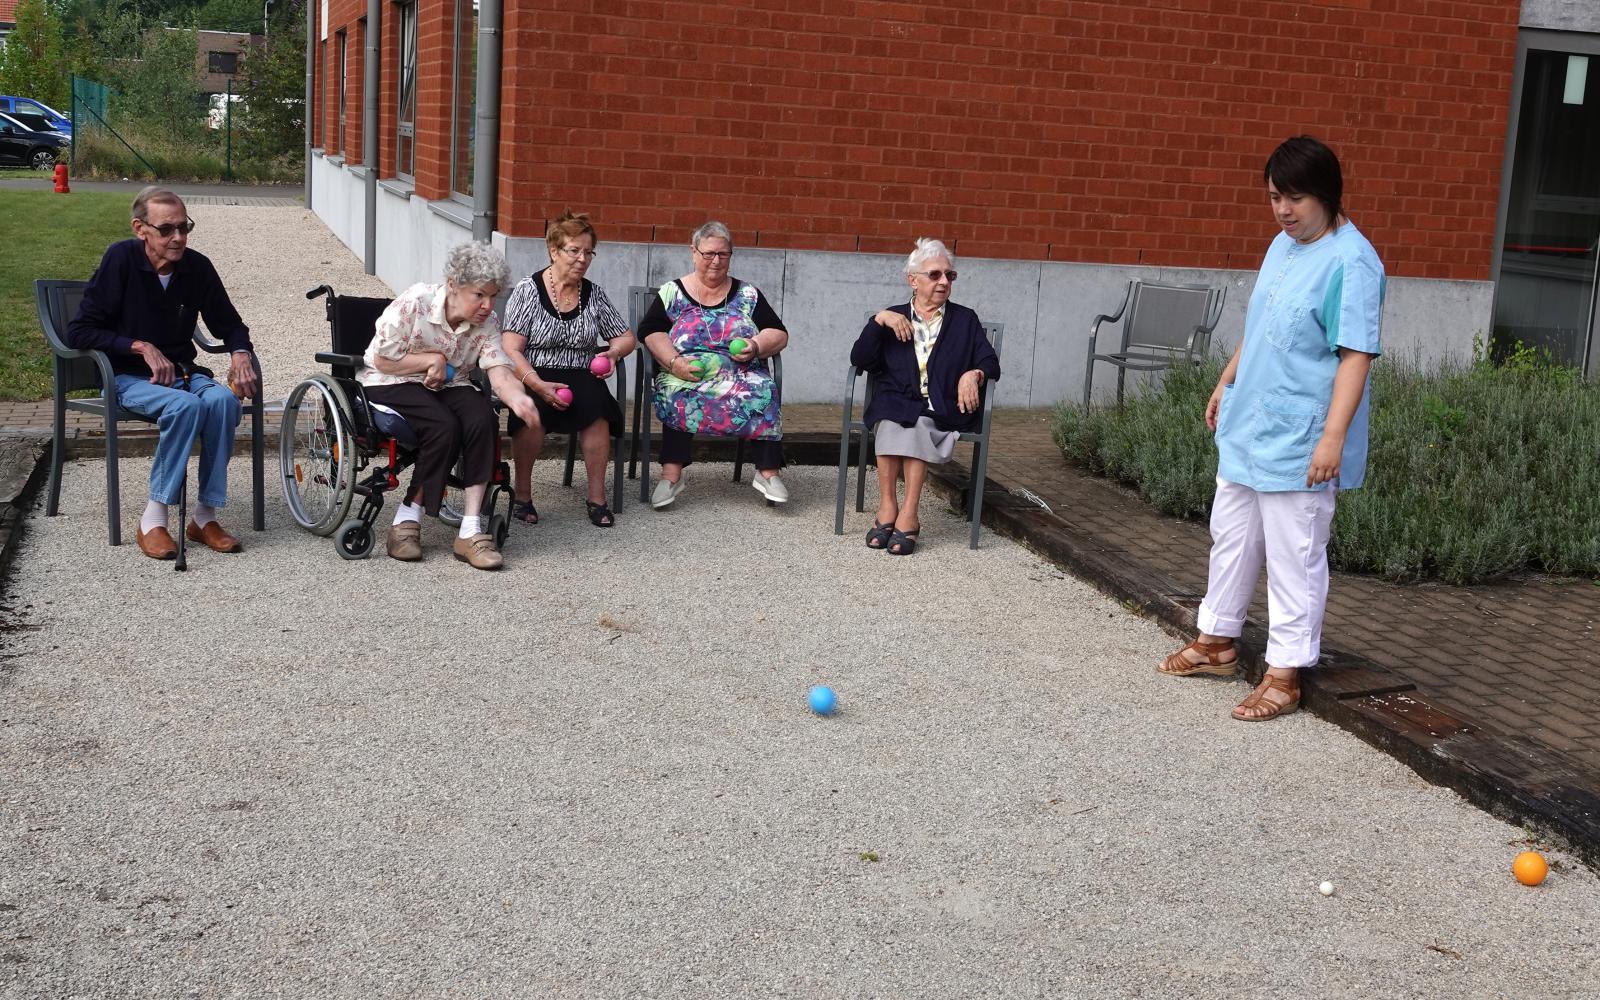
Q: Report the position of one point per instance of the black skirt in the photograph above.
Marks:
(591, 401)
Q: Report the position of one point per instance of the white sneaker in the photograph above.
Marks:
(665, 492)
(773, 489)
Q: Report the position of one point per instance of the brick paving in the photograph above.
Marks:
(1513, 663)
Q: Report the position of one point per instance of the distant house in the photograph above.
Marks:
(218, 55)
(8, 19)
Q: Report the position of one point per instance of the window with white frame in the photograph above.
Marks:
(463, 106)
(405, 160)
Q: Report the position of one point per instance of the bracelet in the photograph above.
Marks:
(524, 378)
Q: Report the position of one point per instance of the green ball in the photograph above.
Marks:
(738, 345)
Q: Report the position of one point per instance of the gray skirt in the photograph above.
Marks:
(924, 441)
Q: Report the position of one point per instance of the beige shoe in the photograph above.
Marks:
(479, 551)
(405, 541)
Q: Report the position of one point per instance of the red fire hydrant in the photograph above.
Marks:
(61, 179)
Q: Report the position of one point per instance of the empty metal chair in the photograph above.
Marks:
(1162, 326)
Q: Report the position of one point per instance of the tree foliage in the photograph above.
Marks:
(33, 62)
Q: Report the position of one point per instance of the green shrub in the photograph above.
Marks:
(1473, 474)
(100, 156)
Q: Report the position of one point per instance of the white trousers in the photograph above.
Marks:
(1290, 531)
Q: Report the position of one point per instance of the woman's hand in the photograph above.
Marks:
(1213, 405)
(749, 354)
(522, 405)
(684, 371)
(967, 390)
(895, 322)
(433, 375)
(1325, 460)
(547, 392)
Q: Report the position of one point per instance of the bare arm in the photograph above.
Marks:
(1349, 382)
(513, 394)
(667, 357)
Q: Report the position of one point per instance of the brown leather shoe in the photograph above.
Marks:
(214, 536)
(479, 551)
(157, 543)
(405, 541)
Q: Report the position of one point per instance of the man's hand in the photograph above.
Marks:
(894, 321)
(967, 391)
(162, 370)
(242, 376)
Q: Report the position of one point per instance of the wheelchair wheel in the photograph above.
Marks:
(354, 540)
(316, 455)
(453, 504)
(499, 530)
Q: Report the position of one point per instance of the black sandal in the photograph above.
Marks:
(906, 540)
(600, 515)
(522, 510)
(879, 533)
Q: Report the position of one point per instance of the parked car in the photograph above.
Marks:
(20, 144)
(39, 123)
(58, 121)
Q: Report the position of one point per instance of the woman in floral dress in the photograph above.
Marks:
(711, 335)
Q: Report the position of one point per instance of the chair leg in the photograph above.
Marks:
(1122, 377)
(980, 470)
(113, 487)
(844, 474)
(638, 408)
(572, 455)
(616, 474)
(738, 460)
(1088, 379)
(861, 470)
(258, 476)
(644, 455)
(58, 450)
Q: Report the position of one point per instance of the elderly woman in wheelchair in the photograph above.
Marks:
(932, 359)
(415, 396)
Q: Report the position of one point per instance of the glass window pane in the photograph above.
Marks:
(462, 123)
(405, 146)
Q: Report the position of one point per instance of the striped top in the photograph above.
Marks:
(556, 339)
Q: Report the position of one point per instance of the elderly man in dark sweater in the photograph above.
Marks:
(140, 308)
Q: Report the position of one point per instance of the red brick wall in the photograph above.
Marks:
(1121, 132)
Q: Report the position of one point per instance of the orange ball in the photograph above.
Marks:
(1530, 868)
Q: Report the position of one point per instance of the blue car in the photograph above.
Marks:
(58, 121)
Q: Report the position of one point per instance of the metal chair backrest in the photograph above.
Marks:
(1165, 317)
(640, 298)
(58, 303)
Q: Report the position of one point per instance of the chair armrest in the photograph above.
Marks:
(1094, 325)
(329, 358)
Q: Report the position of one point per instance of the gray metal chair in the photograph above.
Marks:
(639, 297)
(58, 303)
(979, 440)
(1162, 326)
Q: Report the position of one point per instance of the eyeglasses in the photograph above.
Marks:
(938, 275)
(166, 229)
(715, 255)
(578, 253)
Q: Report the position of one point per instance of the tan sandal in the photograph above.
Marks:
(1178, 665)
(1258, 708)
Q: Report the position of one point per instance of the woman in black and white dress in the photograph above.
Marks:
(556, 322)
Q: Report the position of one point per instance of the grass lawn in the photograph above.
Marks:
(53, 236)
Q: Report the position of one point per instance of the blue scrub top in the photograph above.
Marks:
(1309, 301)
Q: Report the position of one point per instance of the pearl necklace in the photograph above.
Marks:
(555, 294)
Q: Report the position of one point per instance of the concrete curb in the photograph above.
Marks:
(24, 464)
(1507, 776)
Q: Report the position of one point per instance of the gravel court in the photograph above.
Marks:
(593, 775)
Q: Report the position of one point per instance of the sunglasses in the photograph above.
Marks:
(167, 229)
(938, 275)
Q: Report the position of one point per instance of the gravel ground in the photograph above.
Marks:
(593, 775)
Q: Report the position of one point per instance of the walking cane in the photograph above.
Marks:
(183, 501)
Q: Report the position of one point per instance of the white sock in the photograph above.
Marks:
(408, 512)
(204, 514)
(155, 516)
(470, 526)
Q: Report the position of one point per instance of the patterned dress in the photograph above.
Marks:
(733, 400)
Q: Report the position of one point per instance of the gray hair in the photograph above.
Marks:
(152, 195)
(927, 249)
(475, 265)
(712, 230)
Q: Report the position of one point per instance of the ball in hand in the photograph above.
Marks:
(738, 346)
(600, 366)
(564, 396)
(822, 700)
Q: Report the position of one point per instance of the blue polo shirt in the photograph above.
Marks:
(125, 302)
(1309, 301)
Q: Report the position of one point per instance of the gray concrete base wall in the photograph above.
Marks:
(824, 297)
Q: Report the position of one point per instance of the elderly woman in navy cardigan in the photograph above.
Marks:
(932, 360)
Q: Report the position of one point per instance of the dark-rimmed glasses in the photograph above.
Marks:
(166, 229)
(715, 254)
(937, 275)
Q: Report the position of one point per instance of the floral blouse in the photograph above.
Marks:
(415, 322)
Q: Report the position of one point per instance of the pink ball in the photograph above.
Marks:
(565, 395)
(601, 365)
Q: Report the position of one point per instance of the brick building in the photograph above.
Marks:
(1066, 144)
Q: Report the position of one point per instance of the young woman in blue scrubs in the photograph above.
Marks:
(1290, 417)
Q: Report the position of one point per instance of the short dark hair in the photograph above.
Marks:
(1303, 165)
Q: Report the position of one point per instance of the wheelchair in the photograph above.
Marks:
(336, 445)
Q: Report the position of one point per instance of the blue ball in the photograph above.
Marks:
(823, 700)
(449, 372)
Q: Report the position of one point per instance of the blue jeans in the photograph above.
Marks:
(207, 409)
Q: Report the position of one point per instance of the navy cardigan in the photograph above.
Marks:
(961, 347)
